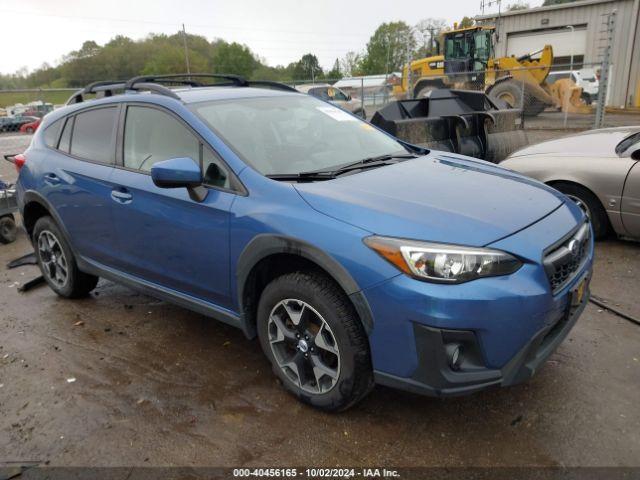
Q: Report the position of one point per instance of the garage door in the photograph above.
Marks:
(563, 43)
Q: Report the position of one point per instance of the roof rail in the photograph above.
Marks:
(274, 85)
(154, 83)
(236, 80)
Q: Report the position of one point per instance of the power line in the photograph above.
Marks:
(211, 26)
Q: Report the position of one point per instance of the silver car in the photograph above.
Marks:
(334, 95)
(598, 169)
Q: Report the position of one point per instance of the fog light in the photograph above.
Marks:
(454, 355)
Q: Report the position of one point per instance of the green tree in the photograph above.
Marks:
(389, 48)
(307, 67)
(234, 58)
(335, 73)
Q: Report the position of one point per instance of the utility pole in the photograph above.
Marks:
(186, 50)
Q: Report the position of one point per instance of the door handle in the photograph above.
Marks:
(121, 196)
(52, 179)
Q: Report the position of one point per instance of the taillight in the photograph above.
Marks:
(19, 161)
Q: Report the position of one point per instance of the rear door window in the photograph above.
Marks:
(93, 135)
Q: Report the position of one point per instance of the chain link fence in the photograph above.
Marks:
(563, 102)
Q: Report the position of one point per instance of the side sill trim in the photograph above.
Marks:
(160, 292)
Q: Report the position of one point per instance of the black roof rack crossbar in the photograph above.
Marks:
(106, 86)
(236, 79)
(156, 84)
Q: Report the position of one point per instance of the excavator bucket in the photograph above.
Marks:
(567, 96)
(460, 121)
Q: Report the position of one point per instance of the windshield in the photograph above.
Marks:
(625, 144)
(294, 133)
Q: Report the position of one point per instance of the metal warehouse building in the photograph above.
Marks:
(578, 29)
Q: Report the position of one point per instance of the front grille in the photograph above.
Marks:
(563, 261)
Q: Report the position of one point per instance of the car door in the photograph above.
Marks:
(75, 179)
(164, 236)
(630, 206)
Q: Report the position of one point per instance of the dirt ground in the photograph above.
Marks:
(158, 385)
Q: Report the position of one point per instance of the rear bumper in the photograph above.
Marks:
(435, 377)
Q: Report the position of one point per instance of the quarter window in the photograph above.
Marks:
(92, 137)
(52, 133)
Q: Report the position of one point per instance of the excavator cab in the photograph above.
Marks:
(468, 50)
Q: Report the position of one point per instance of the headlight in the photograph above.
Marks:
(442, 263)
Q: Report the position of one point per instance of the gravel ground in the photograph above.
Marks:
(159, 385)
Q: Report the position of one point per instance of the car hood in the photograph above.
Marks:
(439, 197)
(594, 143)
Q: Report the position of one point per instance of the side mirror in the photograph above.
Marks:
(176, 173)
(636, 155)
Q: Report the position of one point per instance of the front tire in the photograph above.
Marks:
(315, 342)
(58, 263)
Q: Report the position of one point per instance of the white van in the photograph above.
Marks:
(585, 78)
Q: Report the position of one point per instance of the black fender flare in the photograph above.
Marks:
(265, 245)
(31, 196)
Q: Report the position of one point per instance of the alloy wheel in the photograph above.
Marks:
(304, 346)
(54, 262)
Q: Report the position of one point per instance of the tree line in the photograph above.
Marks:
(388, 49)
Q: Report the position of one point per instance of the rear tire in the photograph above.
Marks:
(590, 204)
(58, 263)
(315, 342)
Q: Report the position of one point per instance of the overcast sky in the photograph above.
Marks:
(280, 31)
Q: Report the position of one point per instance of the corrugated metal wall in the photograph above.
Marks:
(626, 55)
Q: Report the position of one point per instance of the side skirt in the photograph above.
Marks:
(162, 293)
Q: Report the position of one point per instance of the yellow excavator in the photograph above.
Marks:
(468, 63)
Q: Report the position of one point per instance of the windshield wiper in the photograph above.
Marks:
(302, 177)
(328, 174)
(364, 163)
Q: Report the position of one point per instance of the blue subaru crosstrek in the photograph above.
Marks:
(355, 258)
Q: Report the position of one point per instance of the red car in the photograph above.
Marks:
(30, 127)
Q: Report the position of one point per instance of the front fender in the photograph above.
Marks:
(264, 245)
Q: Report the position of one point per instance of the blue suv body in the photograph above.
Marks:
(421, 270)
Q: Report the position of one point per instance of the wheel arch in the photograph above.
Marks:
(554, 182)
(36, 206)
(268, 256)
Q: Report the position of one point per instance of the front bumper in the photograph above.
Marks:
(435, 377)
(506, 326)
